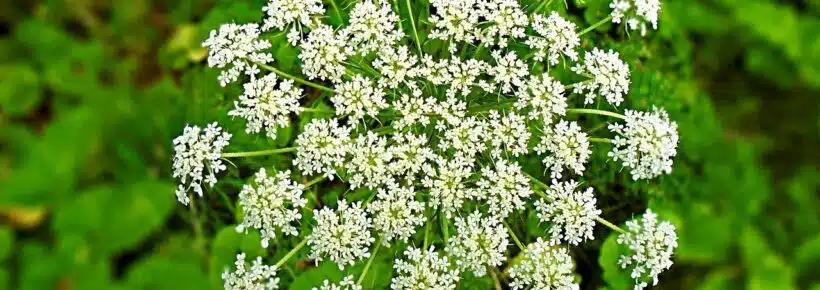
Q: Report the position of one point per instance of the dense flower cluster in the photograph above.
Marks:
(433, 132)
(258, 277)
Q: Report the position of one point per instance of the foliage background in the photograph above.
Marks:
(92, 93)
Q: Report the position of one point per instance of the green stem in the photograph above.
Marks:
(596, 25)
(600, 140)
(413, 25)
(294, 78)
(426, 234)
(514, 237)
(315, 181)
(610, 225)
(317, 110)
(370, 261)
(596, 112)
(258, 153)
(444, 230)
(290, 254)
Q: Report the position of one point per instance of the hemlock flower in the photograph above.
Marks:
(414, 111)
(571, 213)
(358, 98)
(236, 47)
(509, 72)
(651, 245)
(396, 213)
(322, 147)
(646, 143)
(556, 37)
(466, 137)
(646, 11)
(197, 158)
(346, 284)
(447, 183)
(507, 133)
(341, 235)
(293, 13)
(505, 188)
(397, 66)
(454, 20)
(568, 147)
(479, 243)
(410, 154)
(424, 270)
(266, 106)
(545, 98)
(463, 75)
(272, 205)
(258, 277)
(507, 18)
(609, 77)
(543, 267)
(369, 161)
(323, 54)
(372, 26)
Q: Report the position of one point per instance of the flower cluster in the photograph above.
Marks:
(266, 106)
(651, 245)
(568, 147)
(480, 243)
(424, 270)
(197, 158)
(543, 267)
(346, 284)
(637, 13)
(258, 277)
(572, 213)
(272, 205)
(646, 143)
(239, 48)
(341, 235)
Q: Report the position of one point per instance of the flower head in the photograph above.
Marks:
(609, 77)
(556, 37)
(651, 245)
(197, 158)
(543, 267)
(505, 187)
(272, 205)
(509, 72)
(508, 133)
(322, 147)
(454, 20)
(368, 164)
(293, 13)
(646, 143)
(358, 98)
(568, 147)
(237, 47)
(396, 213)
(447, 183)
(646, 11)
(545, 98)
(572, 213)
(372, 26)
(397, 66)
(323, 54)
(266, 106)
(410, 154)
(480, 242)
(508, 19)
(346, 284)
(258, 277)
(414, 110)
(424, 270)
(341, 235)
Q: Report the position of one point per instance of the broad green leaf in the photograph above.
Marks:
(160, 273)
(316, 276)
(615, 277)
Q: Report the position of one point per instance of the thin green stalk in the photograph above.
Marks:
(426, 234)
(294, 78)
(258, 153)
(514, 237)
(610, 225)
(315, 181)
(317, 110)
(600, 140)
(413, 25)
(290, 254)
(596, 112)
(596, 25)
(336, 8)
(369, 261)
(444, 230)
(495, 279)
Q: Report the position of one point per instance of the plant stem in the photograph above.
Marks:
(514, 237)
(596, 112)
(317, 110)
(495, 279)
(444, 230)
(596, 25)
(610, 225)
(600, 140)
(291, 253)
(315, 181)
(294, 78)
(370, 261)
(426, 234)
(413, 25)
(258, 153)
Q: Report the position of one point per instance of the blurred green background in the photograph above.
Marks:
(92, 93)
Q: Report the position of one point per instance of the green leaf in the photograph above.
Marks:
(807, 255)
(316, 276)
(615, 277)
(160, 273)
(6, 242)
(20, 90)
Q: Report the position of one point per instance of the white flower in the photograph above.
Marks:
(480, 242)
(508, 133)
(410, 154)
(466, 137)
(323, 54)
(265, 106)
(197, 158)
(568, 147)
(436, 72)
(452, 111)
(396, 213)
(609, 77)
(646, 144)
(556, 37)
(358, 98)
(293, 13)
(342, 236)
(455, 20)
(396, 66)
(506, 187)
(368, 165)
(272, 205)
(424, 270)
(463, 75)
(645, 11)
(413, 110)
(258, 277)
(236, 47)
(322, 147)
(372, 27)
(507, 18)
(508, 73)
(447, 183)
(545, 96)
(651, 245)
(543, 267)
(571, 213)
(346, 284)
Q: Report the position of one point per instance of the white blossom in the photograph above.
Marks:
(447, 182)
(507, 133)
(465, 137)
(646, 11)
(508, 21)
(396, 66)
(396, 213)
(358, 98)
(414, 110)
(556, 37)
(545, 98)
(571, 213)
(410, 154)
(463, 75)
(322, 147)
(346, 284)
(544, 267)
(609, 77)
(509, 72)
(506, 188)
(272, 205)
(368, 164)
(424, 270)
(197, 158)
(651, 245)
(293, 13)
(454, 20)
(479, 243)
(258, 277)
(323, 54)
(236, 47)
(568, 148)
(436, 72)
(341, 235)
(372, 26)
(264, 106)
(646, 144)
